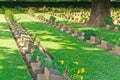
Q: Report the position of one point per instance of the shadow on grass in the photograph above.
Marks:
(4, 31)
(69, 49)
(12, 66)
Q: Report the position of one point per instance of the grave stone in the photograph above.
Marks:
(28, 58)
(41, 77)
(52, 74)
(64, 28)
(80, 35)
(116, 29)
(116, 50)
(105, 45)
(93, 40)
(70, 31)
(36, 68)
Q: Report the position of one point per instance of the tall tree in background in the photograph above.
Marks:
(100, 10)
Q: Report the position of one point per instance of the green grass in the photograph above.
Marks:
(108, 35)
(76, 54)
(12, 66)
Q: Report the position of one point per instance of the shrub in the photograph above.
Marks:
(52, 18)
(31, 11)
(9, 14)
(89, 33)
(34, 37)
(108, 21)
(37, 55)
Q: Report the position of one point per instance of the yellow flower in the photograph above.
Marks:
(79, 70)
(82, 70)
(62, 61)
(76, 63)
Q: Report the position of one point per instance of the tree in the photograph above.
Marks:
(99, 12)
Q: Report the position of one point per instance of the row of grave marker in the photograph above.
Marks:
(37, 70)
(69, 18)
(109, 27)
(80, 35)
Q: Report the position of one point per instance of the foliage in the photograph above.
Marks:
(37, 55)
(52, 18)
(31, 11)
(89, 33)
(34, 37)
(9, 14)
(108, 21)
(116, 40)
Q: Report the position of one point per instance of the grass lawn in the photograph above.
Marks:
(12, 66)
(108, 35)
(82, 59)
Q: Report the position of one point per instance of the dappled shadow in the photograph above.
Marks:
(12, 66)
(3, 49)
(4, 31)
(65, 47)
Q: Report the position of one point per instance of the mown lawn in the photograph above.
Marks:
(12, 66)
(108, 35)
(89, 61)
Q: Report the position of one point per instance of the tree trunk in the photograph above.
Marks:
(100, 10)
